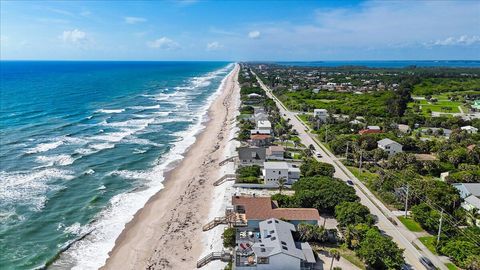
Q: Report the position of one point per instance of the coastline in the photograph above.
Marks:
(166, 232)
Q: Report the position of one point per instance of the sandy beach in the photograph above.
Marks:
(166, 233)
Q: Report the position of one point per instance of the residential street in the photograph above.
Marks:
(400, 234)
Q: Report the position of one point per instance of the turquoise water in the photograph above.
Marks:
(84, 145)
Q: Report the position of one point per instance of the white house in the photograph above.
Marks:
(374, 128)
(273, 171)
(469, 129)
(264, 125)
(274, 249)
(390, 146)
(470, 193)
(321, 114)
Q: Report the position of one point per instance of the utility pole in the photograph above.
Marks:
(361, 159)
(440, 227)
(346, 152)
(406, 202)
(326, 132)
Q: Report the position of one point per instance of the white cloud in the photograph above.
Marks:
(163, 43)
(212, 46)
(74, 36)
(462, 40)
(254, 34)
(134, 20)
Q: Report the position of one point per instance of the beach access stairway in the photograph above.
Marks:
(225, 161)
(225, 178)
(223, 256)
(230, 219)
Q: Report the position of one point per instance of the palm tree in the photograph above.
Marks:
(474, 214)
(281, 184)
(335, 254)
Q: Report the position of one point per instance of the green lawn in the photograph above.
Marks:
(429, 242)
(363, 175)
(451, 266)
(411, 224)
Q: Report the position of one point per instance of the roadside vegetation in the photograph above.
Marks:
(414, 107)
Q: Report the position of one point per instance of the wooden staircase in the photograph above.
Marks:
(225, 161)
(230, 218)
(223, 256)
(225, 178)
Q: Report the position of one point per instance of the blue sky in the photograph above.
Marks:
(240, 30)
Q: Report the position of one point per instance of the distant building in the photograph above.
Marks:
(370, 130)
(374, 128)
(275, 152)
(390, 146)
(251, 155)
(444, 175)
(443, 131)
(469, 129)
(321, 114)
(470, 193)
(254, 95)
(275, 248)
(273, 171)
(403, 128)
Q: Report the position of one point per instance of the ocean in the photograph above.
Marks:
(83, 145)
(389, 63)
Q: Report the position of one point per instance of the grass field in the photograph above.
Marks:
(411, 224)
(451, 266)
(442, 105)
(429, 242)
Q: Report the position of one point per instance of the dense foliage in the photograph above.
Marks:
(311, 167)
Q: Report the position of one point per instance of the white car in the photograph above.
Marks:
(318, 154)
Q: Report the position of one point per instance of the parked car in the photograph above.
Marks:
(350, 182)
(427, 263)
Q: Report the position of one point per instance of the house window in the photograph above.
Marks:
(262, 260)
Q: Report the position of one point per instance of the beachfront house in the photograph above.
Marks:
(264, 125)
(273, 171)
(275, 152)
(260, 140)
(251, 155)
(254, 209)
(390, 146)
(469, 129)
(272, 247)
(261, 131)
(321, 114)
(370, 130)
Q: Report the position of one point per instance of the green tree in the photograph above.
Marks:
(460, 250)
(322, 192)
(380, 252)
(352, 213)
(311, 167)
(229, 238)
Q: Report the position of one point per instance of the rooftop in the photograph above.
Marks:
(282, 165)
(261, 208)
(387, 141)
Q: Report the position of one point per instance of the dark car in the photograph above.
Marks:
(427, 263)
(350, 182)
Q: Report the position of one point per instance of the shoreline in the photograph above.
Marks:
(166, 232)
